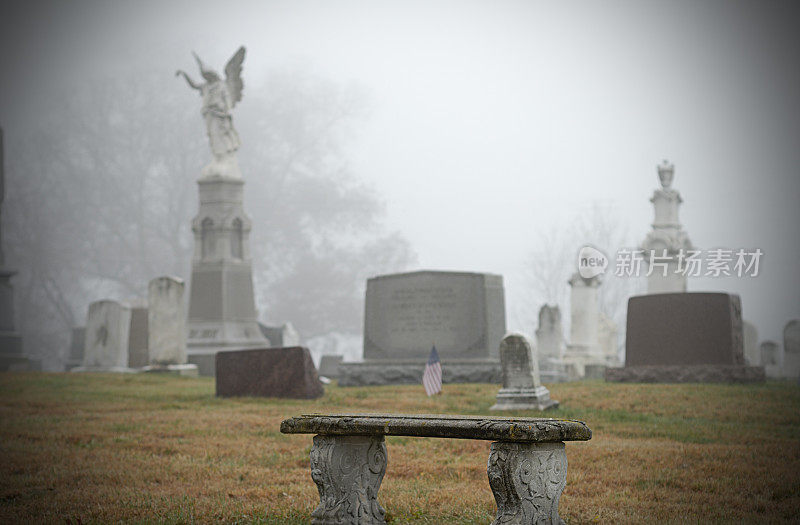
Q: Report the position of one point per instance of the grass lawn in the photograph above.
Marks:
(84, 448)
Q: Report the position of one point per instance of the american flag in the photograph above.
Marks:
(432, 378)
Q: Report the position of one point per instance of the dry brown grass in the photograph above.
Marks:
(142, 448)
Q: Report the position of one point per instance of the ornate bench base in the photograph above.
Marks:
(527, 480)
(348, 471)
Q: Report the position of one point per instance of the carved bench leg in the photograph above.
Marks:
(527, 480)
(348, 471)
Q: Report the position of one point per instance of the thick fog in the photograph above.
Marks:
(388, 136)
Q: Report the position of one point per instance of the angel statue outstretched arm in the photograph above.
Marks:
(192, 83)
(219, 98)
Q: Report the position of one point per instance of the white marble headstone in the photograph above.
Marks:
(166, 322)
(106, 338)
(772, 358)
(522, 388)
(752, 353)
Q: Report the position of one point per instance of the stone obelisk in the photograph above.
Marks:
(222, 314)
(667, 239)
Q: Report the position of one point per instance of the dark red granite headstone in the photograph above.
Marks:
(683, 338)
(684, 329)
(268, 372)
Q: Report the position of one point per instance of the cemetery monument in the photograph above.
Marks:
(405, 314)
(667, 239)
(752, 354)
(685, 338)
(584, 355)
(166, 337)
(791, 350)
(772, 359)
(607, 334)
(522, 388)
(268, 372)
(107, 336)
(222, 312)
(76, 348)
(550, 347)
(137, 336)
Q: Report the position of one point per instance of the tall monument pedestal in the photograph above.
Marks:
(222, 313)
(667, 244)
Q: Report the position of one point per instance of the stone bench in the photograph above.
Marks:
(527, 464)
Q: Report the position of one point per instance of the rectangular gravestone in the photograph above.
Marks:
(791, 350)
(137, 338)
(269, 372)
(685, 337)
(106, 337)
(166, 328)
(772, 359)
(76, 348)
(461, 313)
(329, 365)
(522, 388)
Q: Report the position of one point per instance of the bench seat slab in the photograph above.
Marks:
(521, 429)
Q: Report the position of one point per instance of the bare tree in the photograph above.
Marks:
(554, 260)
(101, 196)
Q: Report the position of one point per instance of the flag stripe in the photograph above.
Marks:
(432, 377)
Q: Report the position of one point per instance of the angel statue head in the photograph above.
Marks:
(219, 98)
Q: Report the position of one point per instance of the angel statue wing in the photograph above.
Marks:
(233, 76)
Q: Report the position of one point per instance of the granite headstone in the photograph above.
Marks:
(268, 372)
(461, 313)
(685, 337)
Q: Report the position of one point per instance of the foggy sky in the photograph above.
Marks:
(492, 120)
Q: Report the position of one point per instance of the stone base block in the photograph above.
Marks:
(524, 399)
(205, 356)
(594, 371)
(406, 372)
(584, 368)
(18, 363)
(186, 370)
(107, 369)
(686, 374)
(553, 376)
(527, 480)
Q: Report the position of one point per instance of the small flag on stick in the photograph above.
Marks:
(432, 378)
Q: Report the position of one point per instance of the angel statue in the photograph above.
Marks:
(219, 98)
